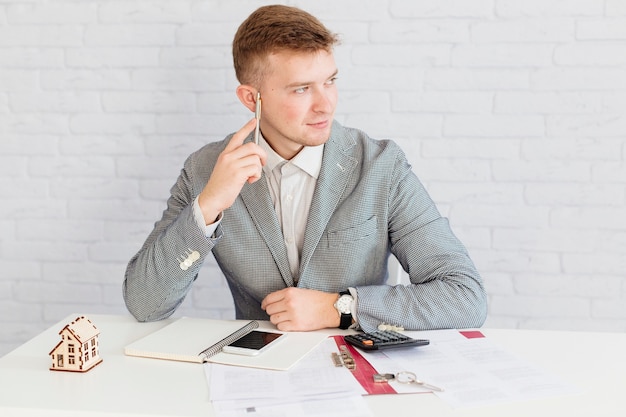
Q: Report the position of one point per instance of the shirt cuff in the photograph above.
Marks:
(353, 309)
(209, 229)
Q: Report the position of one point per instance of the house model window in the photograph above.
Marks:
(78, 350)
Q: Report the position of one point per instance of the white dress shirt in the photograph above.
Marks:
(291, 185)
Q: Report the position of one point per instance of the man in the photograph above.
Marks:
(303, 223)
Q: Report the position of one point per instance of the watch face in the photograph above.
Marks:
(343, 304)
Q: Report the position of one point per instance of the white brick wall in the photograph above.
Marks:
(512, 113)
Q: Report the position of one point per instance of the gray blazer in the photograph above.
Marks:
(367, 204)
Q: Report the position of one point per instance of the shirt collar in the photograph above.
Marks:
(309, 159)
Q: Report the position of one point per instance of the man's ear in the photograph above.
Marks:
(247, 96)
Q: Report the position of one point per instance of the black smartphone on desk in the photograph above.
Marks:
(253, 343)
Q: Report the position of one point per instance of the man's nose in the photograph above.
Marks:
(323, 101)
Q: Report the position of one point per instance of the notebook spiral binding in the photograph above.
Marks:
(217, 348)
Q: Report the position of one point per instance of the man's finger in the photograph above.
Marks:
(241, 135)
(272, 298)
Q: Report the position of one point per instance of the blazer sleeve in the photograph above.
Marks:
(159, 276)
(446, 290)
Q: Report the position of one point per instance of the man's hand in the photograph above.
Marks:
(300, 309)
(236, 165)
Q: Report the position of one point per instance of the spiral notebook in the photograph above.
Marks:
(201, 340)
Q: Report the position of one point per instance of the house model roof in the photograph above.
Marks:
(82, 328)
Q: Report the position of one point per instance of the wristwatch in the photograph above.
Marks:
(344, 308)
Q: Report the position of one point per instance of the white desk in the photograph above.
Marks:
(128, 386)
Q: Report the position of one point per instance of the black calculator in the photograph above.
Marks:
(385, 339)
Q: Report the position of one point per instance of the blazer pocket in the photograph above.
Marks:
(353, 233)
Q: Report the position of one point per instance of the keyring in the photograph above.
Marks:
(408, 377)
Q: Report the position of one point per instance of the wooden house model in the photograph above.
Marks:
(78, 350)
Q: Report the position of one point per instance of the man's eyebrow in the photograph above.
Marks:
(301, 83)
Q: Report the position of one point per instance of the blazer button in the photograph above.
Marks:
(192, 256)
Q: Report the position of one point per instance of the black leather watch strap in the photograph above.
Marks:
(345, 321)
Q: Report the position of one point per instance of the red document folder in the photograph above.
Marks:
(364, 372)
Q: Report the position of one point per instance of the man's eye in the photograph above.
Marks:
(331, 81)
(300, 90)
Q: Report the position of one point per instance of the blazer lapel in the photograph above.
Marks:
(258, 202)
(337, 169)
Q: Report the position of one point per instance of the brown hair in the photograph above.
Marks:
(272, 29)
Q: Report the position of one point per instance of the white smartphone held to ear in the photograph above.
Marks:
(253, 343)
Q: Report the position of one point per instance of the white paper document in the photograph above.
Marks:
(321, 406)
(472, 372)
(237, 391)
